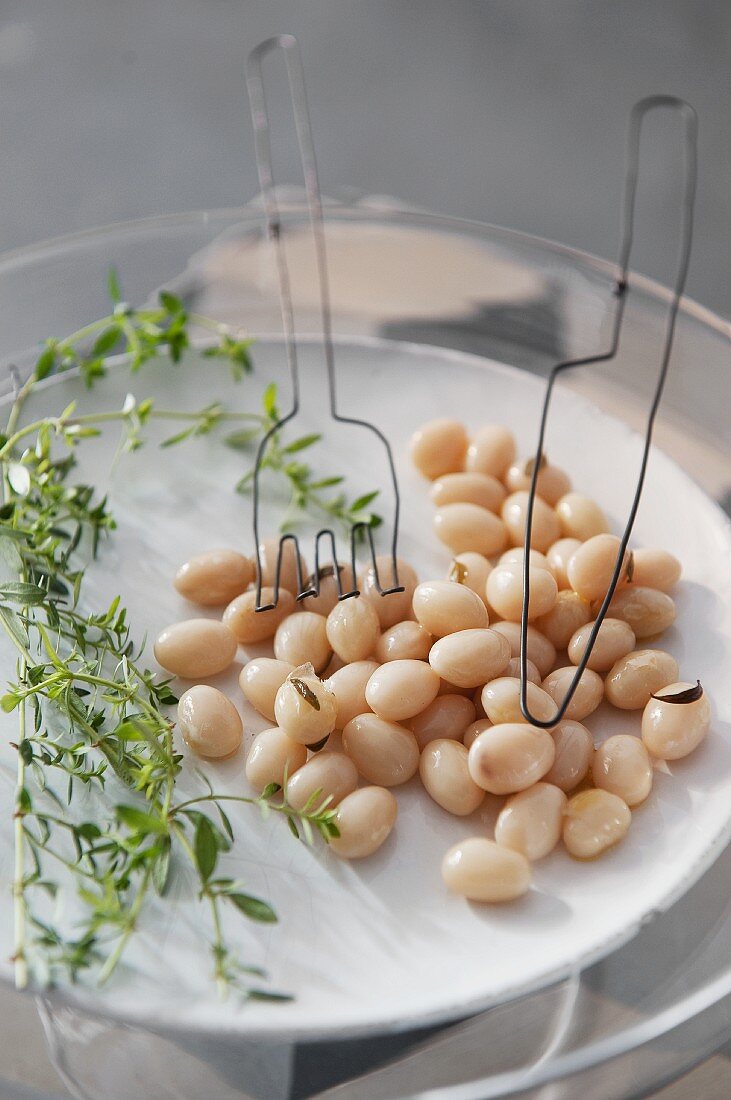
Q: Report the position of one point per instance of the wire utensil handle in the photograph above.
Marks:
(690, 157)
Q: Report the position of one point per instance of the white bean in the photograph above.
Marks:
(531, 821)
(348, 686)
(251, 626)
(501, 701)
(491, 451)
(443, 607)
(401, 689)
(383, 752)
(195, 648)
(551, 484)
(272, 757)
(333, 774)
(511, 757)
(468, 527)
(468, 488)
(473, 731)
(594, 822)
(469, 658)
(586, 698)
(513, 670)
(504, 590)
(647, 610)
(261, 679)
(439, 447)
(481, 870)
(655, 569)
(353, 629)
(268, 555)
(329, 593)
(622, 765)
(364, 820)
(472, 570)
(303, 637)
(559, 555)
(209, 722)
(395, 607)
(446, 777)
(545, 528)
(569, 613)
(591, 568)
(517, 554)
(404, 641)
(615, 639)
(574, 752)
(672, 730)
(540, 650)
(213, 578)
(635, 677)
(447, 717)
(580, 517)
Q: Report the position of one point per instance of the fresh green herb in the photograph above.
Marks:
(90, 715)
(307, 495)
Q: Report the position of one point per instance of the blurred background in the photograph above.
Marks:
(509, 111)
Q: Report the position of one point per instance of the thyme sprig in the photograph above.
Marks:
(307, 490)
(91, 716)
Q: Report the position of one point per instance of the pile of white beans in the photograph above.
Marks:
(427, 681)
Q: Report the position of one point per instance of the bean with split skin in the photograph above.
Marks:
(272, 757)
(637, 676)
(511, 757)
(251, 626)
(364, 820)
(531, 821)
(303, 637)
(209, 722)
(446, 777)
(469, 658)
(672, 730)
(261, 679)
(439, 447)
(305, 707)
(443, 607)
(401, 689)
(447, 717)
(647, 610)
(472, 570)
(348, 686)
(481, 870)
(215, 577)
(622, 765)
(594, 821)
(384, 752)
(195, 648)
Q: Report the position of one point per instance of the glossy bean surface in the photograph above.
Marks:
(447, 717)
(443, 607)
(481, 870)
(594, 822)
(214, 578)
(509, 758)
(261, 679)
(251, 626)
(634, 678)
(273, 756)
(401, 689)
(195, 648)
(209, 722)
(364, 820)
(384, 752)
(531, 821)
(468, 527)
(469, 658)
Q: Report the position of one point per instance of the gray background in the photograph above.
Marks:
(511, 111)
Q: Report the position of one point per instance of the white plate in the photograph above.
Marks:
(380, 945)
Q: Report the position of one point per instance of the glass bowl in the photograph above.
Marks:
(657, 1005)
